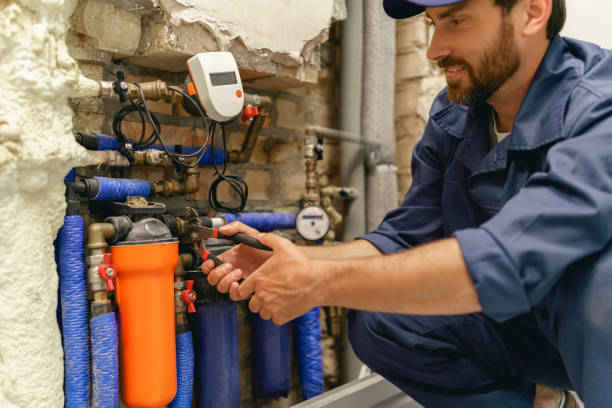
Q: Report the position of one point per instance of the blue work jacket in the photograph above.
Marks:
(534, 206)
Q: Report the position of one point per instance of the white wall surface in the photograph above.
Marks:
(589, 20)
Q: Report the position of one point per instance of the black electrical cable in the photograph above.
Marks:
(142, 143)
(237, 183)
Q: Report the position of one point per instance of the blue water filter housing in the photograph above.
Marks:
(216, 337)
(271, 358)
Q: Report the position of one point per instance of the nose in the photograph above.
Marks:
(439, 47)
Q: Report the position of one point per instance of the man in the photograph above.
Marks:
(508, 279)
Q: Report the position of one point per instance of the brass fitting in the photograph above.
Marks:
(188, 184)
(154, 90)
(150, 157)
(97, 234)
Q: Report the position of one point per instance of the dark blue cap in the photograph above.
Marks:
(405, 8)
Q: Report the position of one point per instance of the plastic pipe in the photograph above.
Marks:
(263, 221)
(184, 369)
(217, 355)
(99, 141)
(309, 355)
(116, 189)
(104, 361)
(75, 318)
(271, 358)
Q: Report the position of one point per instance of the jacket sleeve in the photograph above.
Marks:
(419, 218)
(560, 216)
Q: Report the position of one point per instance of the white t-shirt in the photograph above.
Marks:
(494, 136)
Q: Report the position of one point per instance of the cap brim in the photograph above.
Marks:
(404, 9)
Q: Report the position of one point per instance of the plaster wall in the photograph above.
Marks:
(267, 38)
(37, 149)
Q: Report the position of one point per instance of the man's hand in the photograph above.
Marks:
(238, 262)
(286, 286)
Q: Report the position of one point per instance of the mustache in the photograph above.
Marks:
(450, 61)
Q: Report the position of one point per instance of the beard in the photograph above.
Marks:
(498, 63)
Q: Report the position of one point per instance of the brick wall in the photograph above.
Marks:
(275, 174)
(417, 83)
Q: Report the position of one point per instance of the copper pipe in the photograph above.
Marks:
(244, 154)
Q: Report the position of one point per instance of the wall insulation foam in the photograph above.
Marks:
(37, 149)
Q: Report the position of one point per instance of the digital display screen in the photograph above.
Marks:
(223, 78)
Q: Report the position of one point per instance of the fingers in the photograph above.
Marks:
(224, 285)
(272, 240)
(254, 305)
(208, 266)
(236, 227)
(234, 293)
(247, 287)
(216, 275)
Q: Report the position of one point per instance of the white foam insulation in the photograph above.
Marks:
(37, 149)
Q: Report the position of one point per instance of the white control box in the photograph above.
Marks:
(217, 83)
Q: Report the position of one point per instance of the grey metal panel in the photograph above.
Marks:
(372, 391)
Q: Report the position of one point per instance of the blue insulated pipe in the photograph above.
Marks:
(116, 189)
(104, 361)
(271, 358)
(184, 368)
(309, 355)
(75, 318)
(217, 355)
(105, 142)
(263, 221)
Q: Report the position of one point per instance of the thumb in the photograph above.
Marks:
(272, 240)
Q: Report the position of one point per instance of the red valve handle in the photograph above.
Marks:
(189, 297)
(249, 113)
(107, 272)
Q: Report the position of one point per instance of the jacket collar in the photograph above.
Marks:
(539, 120)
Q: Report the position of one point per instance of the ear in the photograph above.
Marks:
(537, 13)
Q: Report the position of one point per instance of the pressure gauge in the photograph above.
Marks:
(312, 223)
(217, 83)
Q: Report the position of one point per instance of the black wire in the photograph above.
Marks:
(237, 183)
(142, 143)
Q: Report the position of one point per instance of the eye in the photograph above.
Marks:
(456, 21)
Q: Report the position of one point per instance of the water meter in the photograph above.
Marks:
(312, 223)
(217, 83)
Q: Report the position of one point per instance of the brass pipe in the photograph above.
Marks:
(154, 90)
(97, 234)
(188, 183)
(244, 154)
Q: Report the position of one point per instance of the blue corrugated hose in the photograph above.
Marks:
(106, 142)
(116, 189)
(70, 176)
(310, 361)
(184, 368)
(271, 358)
(264, 221)
(105, 363)
(73, 290)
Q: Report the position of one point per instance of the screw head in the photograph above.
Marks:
(123, 85)
(110, 272)
(192, 296)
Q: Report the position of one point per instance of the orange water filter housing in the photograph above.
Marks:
(145, 266)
